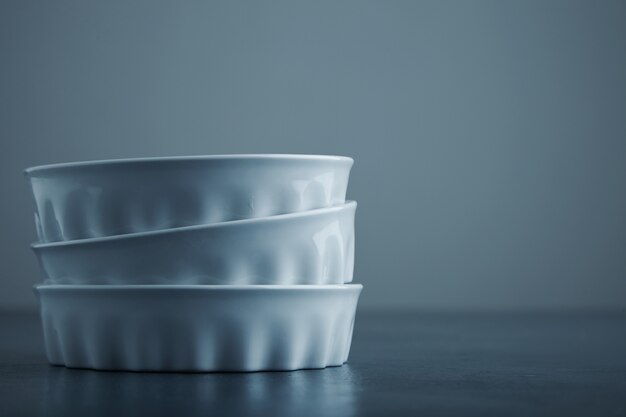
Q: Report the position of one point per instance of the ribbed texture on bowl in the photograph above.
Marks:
(198, 328)
(107, 198)
(315, 247)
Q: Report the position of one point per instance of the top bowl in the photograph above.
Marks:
(106, 198)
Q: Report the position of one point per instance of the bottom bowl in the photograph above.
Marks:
(198, 328)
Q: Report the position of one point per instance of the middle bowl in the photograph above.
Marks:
(312, 247)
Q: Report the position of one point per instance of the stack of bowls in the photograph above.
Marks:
(209, 263)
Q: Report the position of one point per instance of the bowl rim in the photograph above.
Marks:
(28, 172)
(348, 205)
(197, 287)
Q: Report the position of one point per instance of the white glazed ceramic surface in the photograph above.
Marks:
(313, 247)
(106, 198)
(198, 328)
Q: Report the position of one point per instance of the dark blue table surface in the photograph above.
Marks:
(402, 363)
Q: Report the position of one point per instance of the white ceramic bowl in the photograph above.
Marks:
(106, 198)
(312, 247)
(198, 328)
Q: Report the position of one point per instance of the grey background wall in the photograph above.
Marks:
(489, 136)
